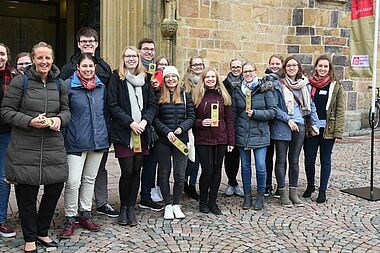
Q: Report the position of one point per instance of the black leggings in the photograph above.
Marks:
(211, 159)
(129, 182)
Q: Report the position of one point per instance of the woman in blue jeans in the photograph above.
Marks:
(297, 106)
(328, 97)
(252, 130)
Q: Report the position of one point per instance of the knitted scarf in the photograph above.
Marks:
(318, 83)
(300, 84)
(89, 84)
(250, 86)
(5, 77)
(135, 84)
(235, 81)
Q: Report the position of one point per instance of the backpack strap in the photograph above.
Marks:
(57, 83)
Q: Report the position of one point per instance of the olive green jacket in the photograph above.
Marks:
(335, 110)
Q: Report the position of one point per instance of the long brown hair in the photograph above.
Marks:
(300, 70)
(331, 66)
(165, 94)
(123, 69)
(200, 89)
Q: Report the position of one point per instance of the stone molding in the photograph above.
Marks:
(332, 1)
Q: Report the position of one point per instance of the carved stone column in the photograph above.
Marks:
(169, 27)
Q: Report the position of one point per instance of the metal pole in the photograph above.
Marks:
(374, 68)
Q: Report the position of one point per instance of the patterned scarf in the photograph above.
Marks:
(301, 84)
(5, 77)
(88, 84)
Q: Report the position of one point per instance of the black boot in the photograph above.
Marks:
(321, 197)
(247, 203)
(203, 207)
(309, 191)
(214, 208)
(259, 203)
(123, 216)
(132, 221)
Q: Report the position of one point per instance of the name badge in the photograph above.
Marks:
(214, 115)
(323, 92)
(151, 68)
(181, 146)
(136, 141)
(248, 101)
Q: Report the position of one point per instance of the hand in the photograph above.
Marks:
(178, 131)
(39, 121)
(155, 84)
(230, 148)
(206, 122)
(171, 136)
(143, 124)
(250, 113)
(56, 126)
(293, 126)
(136, 128)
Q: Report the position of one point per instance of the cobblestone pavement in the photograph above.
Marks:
(344, 224)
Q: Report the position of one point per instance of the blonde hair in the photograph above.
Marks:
(41, 44)
(200, 89)
(165, 94)
(123, 69)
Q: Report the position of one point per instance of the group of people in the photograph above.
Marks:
(57, 133)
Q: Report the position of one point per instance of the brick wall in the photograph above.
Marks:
(220, 30)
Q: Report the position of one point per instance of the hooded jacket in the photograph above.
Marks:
(35, 156)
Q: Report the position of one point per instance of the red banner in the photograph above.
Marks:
(361, 8)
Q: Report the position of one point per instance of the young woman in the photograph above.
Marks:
(174, 119)
(252, 130)
(273, 73)
(231, 161)
(86, 139)
(5, 136)
(162, 62)
(130, 102)
(189, 82)
(298, 107)
(36, 154)
(212, 141)
(328, 97)
(22, 60)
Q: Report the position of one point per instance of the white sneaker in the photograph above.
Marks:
(238, 191)
(155, 196)
(229, 191)
(169, 215)
(178, 212)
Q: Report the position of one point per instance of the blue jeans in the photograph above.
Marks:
(148, 175)
(4, 186)
(192, 169)
(246, 168)
(325, 149)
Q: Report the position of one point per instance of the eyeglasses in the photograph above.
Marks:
(148, 49)
(197, 65)
(235, 67)
(87, 41)
(130, 56)
(24, 63)
(249, 71)
(288, 66)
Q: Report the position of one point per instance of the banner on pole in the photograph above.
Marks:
(361, 42)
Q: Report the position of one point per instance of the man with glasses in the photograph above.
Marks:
(231, 161)
(147, 51)
(87, 41)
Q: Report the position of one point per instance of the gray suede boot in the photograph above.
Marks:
(284, 198)
(294, 197)
(247, 203)
(259, 203)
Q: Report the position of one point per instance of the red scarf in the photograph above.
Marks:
(5, 78)
(88, 84)
(318, 83)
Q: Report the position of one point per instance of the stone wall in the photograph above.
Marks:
(220, 30)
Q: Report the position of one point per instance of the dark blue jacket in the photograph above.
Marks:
(87, 130)
(253, 132)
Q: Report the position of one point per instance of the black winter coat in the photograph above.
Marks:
(119, 108)
(171, 116)
(35, 156)
(103, 70)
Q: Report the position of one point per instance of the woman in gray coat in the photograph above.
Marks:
(36, 105)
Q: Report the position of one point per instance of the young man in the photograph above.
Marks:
(146, 49)
(87, 39)
(231, 160)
